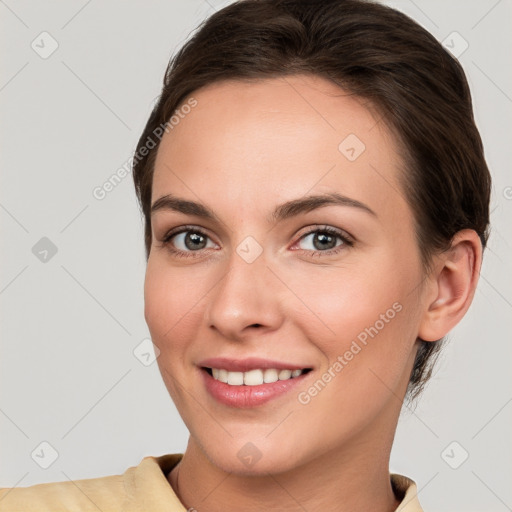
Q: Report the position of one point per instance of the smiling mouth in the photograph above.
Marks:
(254, 377)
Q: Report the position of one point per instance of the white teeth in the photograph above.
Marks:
(253, 377)
(285, 374)
(235, 378)
(270, 375)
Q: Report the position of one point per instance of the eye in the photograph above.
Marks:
(187, 241)
(190, 241)
(325, 240)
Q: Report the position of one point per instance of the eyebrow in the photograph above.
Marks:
(284, 211)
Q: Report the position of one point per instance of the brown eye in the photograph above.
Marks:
(186, 242)
(325, 240)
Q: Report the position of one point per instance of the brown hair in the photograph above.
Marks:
(373, 52)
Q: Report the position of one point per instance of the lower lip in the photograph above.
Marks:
(249, 396)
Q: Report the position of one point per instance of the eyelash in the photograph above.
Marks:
(346, 241)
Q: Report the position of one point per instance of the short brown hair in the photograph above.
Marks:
(373, 52)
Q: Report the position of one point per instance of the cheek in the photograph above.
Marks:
(168, 299)
(367, 316)
(168, 302)
(366, 359)
(340, 302)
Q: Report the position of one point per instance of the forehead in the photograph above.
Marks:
(277, 139)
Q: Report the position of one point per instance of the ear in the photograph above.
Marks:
(451, 286)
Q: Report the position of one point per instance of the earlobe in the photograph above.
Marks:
(452, 286)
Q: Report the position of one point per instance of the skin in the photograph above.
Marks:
(243, 150)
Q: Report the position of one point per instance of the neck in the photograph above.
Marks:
(344, 480)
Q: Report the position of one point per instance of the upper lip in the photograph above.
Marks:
(250, 363)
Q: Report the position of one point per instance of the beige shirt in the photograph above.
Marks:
(141, 488)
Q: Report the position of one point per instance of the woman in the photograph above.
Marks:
(316, 205)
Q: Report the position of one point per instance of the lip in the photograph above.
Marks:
(250, 363)
(245, 397)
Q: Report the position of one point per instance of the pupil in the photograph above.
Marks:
(323, 238)
(192, 240)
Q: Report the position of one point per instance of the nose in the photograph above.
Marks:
(248, 297)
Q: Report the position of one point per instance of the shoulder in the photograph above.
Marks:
(87, 494)
(139, 484)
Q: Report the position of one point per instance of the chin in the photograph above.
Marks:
(252, 458)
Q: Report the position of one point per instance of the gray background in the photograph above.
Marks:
(70, 324)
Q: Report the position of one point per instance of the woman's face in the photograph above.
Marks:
(261, 286)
